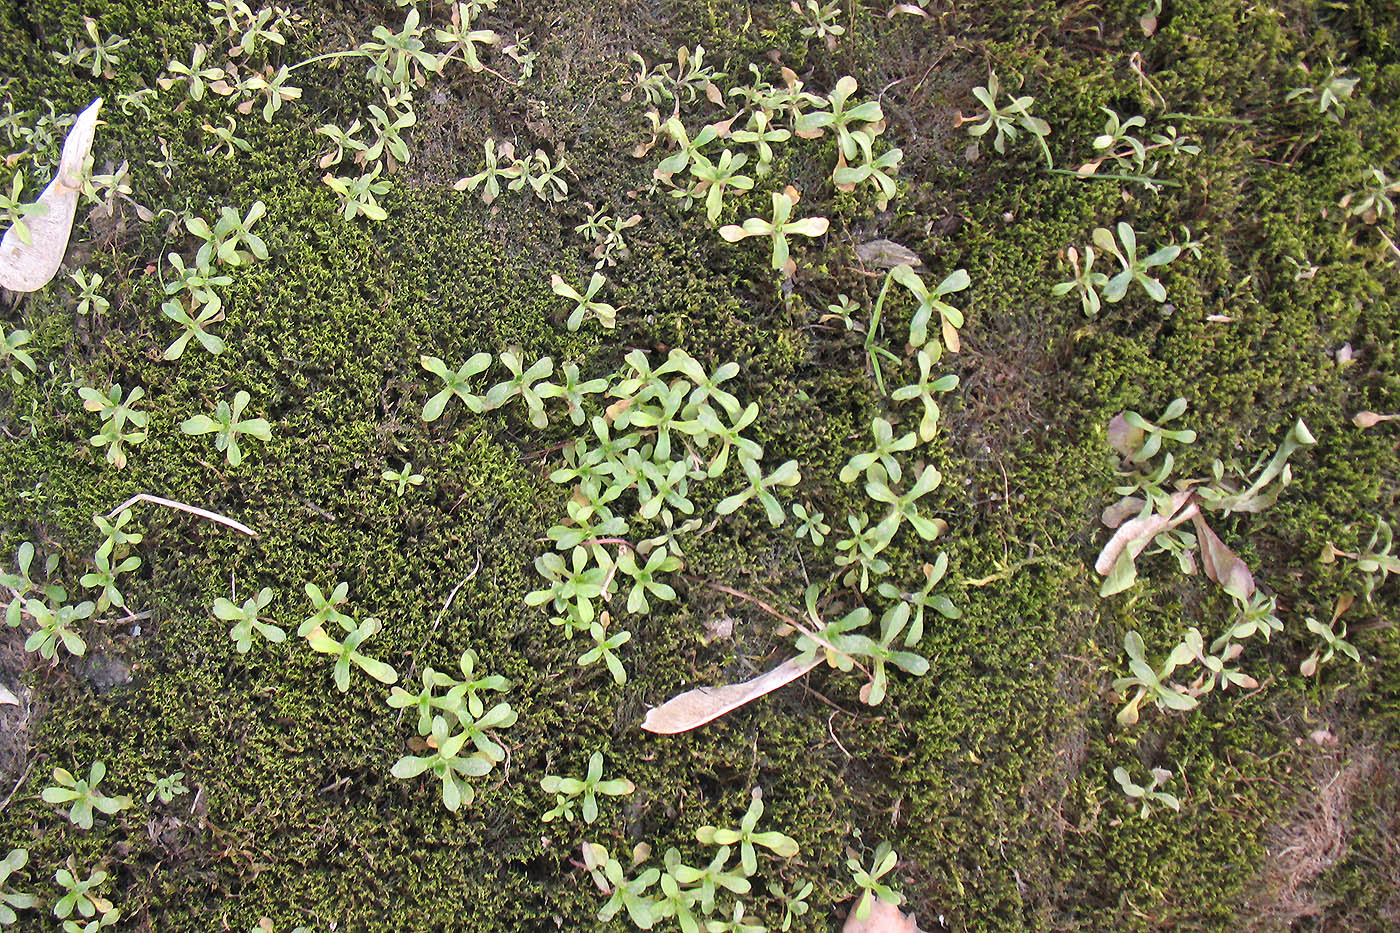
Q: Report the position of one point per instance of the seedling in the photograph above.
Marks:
(105, 579)
(880, 171)
(1333, 640)
(690, 149)
(197, 76)
(585, 303)
(358, 193)
(761, 134)
(80, 893)
(342, 140)
(227, 139)
(1375, 199)
(402, 479)
(1140, 440)
(604, 648)
(274, 86)
(571, 590)
(861, 552)
(605, 232)
(458, 384)
(717, 178)
(10, 900)
(326, 609)
(21, 584)
(522, 383)
(869, 883)
(548, 181)
(167, 788)
(447, 764)
(811, 525)
(246, 620)
(904, 506)
(607, 873)
(14, 209)
(53, 628)
(760, 487)
(199, 280)
(116, 414)
(929, 302)
(1152, 683)
(1135, 269)
(490, 177)
(821, 24)
(735, 923)
(590, 787)
(83, 794)
(918, 603)
(388, 128)
(476, 730)
(100, 58)
(462, 40)
(573, 391)
(747, 837)
(1006, 120)
(89, 301)
(1149, 794)
(886, 446)
(924, 391)
(1118, 132)
(1330, 93)
(348, 652)
(779, 229)
(10, 354)
(1086, 282)
(195, 327)
(1374, 562)
(227, 424)
(841, 118)
(231, 240)
(397, 55)
(644, 578)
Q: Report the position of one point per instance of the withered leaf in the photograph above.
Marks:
(883, 918)
(696, 707)
(1222, 564)
(28, 268)
(886, 254)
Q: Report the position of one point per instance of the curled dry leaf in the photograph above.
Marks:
(886, 254)
(696, 707)
(28, 268)
(1135, 535)
(883, 918)
(1369, 419)
(1222, 564)
(1122, 510)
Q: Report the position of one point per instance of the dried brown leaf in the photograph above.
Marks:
(696, 707)
(1122, 510)
(883, 918)
(1135, 535)
(1222, 564)
(886, 254)
(28, 268)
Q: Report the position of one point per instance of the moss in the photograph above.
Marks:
(992, 774)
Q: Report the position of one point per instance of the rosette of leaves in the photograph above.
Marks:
(589, 788)
(446, 763)
(83, 794)
(747, 836)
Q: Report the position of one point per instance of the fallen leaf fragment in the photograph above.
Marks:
(1369, 419)
(883, 918)
(1135, 535)
(28, 268)
(7, 698)
(694, 708)
(1222, 564)
(886, 254)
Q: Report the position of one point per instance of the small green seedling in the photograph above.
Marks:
(358, 193)
(104, 578)
(747, 837)
(794, 901)
(10, 354)
(198, 77)
(227, 424)
(246, 620)
(604, 648)
(196, 327)
(226, 138)
(811, 525)
(1152, 683)
(645, 578)
(461, 40)
(402, 479)
(326, 609)
(523, 382)
(343, 140)
(880, 171)
(904, 507)
(918, 603)
(590, 787)
(607, 873)
(573, 391)
(1140, 440)
(100, 58)
(718, 178)
(950, 318)
(1086, 282)
(115, 536)
(447, 764)
(842, 119)
(11, 900)
(886, 446)
(458, 384)
(166, 788)
(779, 229)
(83, 794)
(116, 414)
(760, 487)
(925, 389)
(348, 652)
(821, 24)
(21, 584)
(869, 883)
(80, 893)
(1375, 199)
(89, 301)
(1006, 120)
(13, 209)
(397, 56)
(1333, 640)
(1149, 794)
(1135, 269)
(231, 240)
(585, 303)
(1330, 93)
(489, 178)
(53, 628)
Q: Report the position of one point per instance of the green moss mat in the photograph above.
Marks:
(992, 774)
